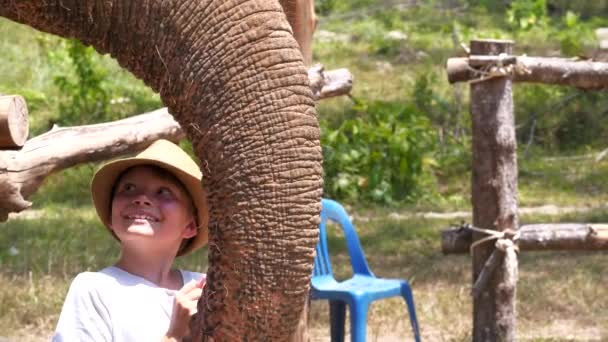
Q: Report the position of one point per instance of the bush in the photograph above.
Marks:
(524, 14)
(560, 118)
(573, 35)
(94, 88)
(327, 7)
(380, 153)
(86, 91)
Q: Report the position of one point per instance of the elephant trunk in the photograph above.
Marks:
(231, 74)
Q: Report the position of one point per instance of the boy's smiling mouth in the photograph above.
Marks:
(141, 216)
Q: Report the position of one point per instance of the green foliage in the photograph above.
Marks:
(373, 33)
(454, 150)
(64, 82)
(572, 34)
(559, 124)
(86, 89)
(382, 153)
(75, 85)
(524, 14)
(584, 122)
(560, 118)
(328, 7)
(537, 109)
(587, 9)
(25, 70)
(324, 7)
(428, 100)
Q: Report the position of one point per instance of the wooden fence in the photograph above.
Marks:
(495, 236)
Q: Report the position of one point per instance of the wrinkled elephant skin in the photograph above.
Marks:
(231, 74)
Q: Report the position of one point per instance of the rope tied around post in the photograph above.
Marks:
(505, 252)
(508, 234)
(488, 67)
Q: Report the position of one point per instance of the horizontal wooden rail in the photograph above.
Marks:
(538, 237)
(585, 74)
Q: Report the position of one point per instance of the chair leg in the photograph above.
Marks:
(337, 314)
(358, 321)
(406, 292)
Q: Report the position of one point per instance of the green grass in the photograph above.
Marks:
(563, 181)
(563, 287)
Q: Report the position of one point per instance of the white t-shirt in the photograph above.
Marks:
(115, 305)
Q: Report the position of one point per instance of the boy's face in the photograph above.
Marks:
(149, 206)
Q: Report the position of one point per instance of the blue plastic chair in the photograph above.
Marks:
(357, 292)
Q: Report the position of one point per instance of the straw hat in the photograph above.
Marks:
(166, 155)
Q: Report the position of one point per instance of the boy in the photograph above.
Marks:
(154, 205)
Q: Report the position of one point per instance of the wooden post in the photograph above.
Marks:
(14, 126)
(494, 194)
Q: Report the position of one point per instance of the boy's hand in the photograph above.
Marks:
(201, 283)
(184, 307)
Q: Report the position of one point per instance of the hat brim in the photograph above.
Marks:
(105, 179)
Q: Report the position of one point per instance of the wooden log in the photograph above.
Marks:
(480, 61)
(584, 74)
(494, 194)
(459, 70)
(23, 171)
(326, 84)
(14, 126)
(581, 74)
(456, 240)
(538, 237)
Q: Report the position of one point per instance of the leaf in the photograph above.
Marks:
(571, 19)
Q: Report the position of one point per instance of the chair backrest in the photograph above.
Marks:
(332, 210)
